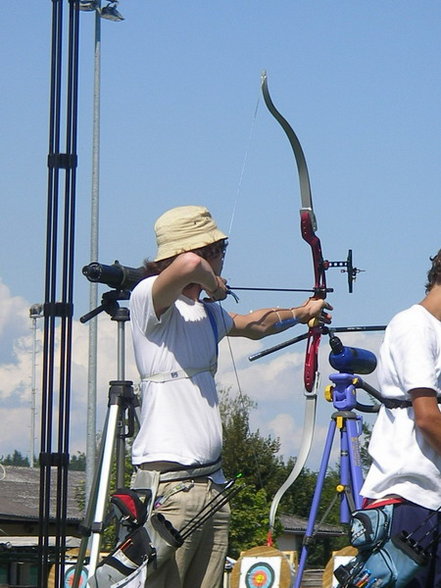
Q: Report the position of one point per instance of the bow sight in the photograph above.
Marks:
(350, 269)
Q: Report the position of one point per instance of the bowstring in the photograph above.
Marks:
(241, 396)
(244, 165)
(230, 230)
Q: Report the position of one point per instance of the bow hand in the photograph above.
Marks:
(313, 312)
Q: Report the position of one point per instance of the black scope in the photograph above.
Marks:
(116, 275)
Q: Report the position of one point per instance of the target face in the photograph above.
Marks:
(69, 577)
(260, 575)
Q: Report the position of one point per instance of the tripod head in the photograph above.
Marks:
(109, 304)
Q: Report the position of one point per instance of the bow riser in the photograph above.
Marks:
(311, 358)
(308, 226)
(313, 241)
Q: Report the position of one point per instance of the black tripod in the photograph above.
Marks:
(58, 298)
(119, 425)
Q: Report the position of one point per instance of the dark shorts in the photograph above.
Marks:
(426, 530)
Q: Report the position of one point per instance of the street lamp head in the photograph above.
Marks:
(111, 13)
(108, 12)
(36, 311)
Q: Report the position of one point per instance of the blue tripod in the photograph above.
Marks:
(343, 396)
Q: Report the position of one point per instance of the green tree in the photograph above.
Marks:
(16, 459)
(77, 462)
(244, 452)
(365, 437)
(249, 519)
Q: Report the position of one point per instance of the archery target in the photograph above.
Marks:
(260, 572)
(70, 574)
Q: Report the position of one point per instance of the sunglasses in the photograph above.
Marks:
(217, 249)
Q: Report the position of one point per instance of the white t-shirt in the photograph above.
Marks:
(180, 419)
(403, 462)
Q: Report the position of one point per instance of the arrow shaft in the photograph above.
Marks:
(279, 289)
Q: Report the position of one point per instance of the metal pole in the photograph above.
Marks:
(33, 392)
(35, 312)
(93, 325)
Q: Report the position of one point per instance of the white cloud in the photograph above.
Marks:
(289, 431)
(13, 311)
(16, 368)
(262, 379)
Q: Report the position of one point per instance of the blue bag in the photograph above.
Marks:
(382, 561)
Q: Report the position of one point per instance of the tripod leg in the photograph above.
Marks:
(98, 496)
(90, 511)
(315, 504)
(353, 431)
(102, 494)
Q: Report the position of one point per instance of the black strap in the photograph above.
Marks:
(389, 403)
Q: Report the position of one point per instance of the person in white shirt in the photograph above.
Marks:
(175, 337)
(406, 440)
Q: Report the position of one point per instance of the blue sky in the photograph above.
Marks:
(182, 122)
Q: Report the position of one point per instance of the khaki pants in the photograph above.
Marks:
(199, 563)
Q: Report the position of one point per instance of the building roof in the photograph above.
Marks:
(297, 525)
(20, 495)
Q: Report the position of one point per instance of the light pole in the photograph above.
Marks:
(108, 12)
(35, 312)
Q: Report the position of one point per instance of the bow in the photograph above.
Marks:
(308, 225)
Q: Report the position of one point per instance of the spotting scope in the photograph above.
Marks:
(120, 277)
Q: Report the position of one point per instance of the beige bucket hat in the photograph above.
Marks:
(185, 228)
